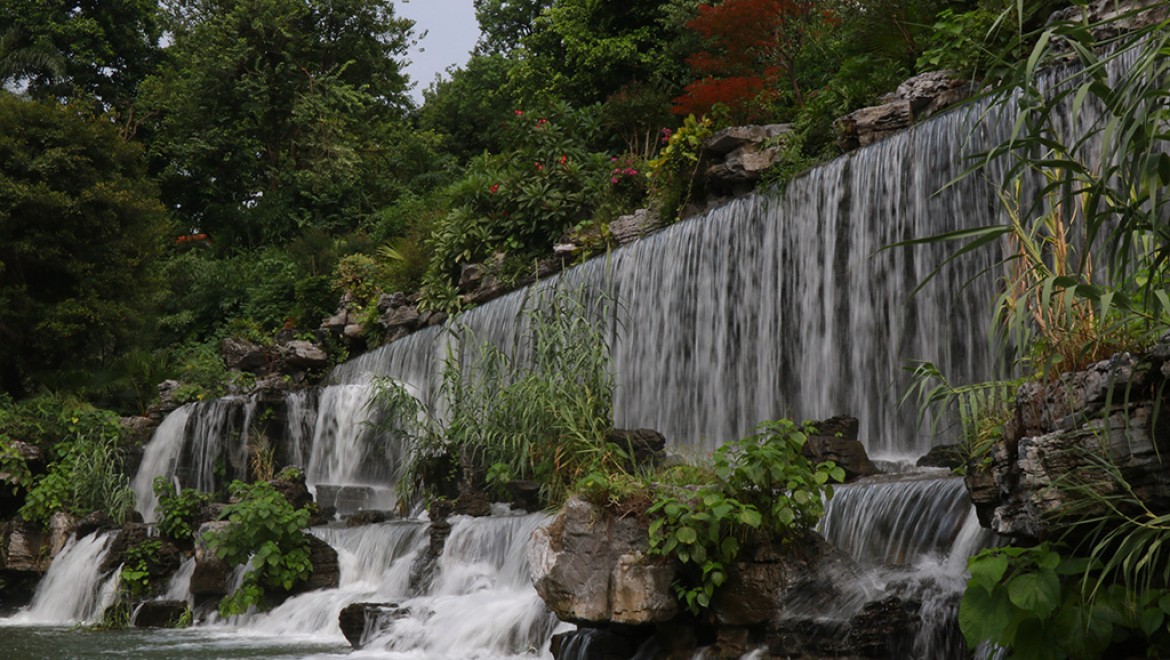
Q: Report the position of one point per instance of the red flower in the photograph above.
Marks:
(494, 187)
(538, 165)
(564, 159)
(519, 113)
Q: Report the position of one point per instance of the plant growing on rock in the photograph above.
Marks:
(263, 526)
(539, 410)
(763, 488)
(178, 511)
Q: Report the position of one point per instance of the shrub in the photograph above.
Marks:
(263, 526)
(178, 511)
(86, 476)
(762, 482)
(674, 172)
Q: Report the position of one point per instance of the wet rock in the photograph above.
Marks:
(475, 503)
(594, 644)
(646, 446)
(361, 622)
(594, 568)
(98, 521)
(159, 614)
(933, 91)
(22, 548)
(212, 574)
(944, 456)
(730, 139)
(885, 628)
(406, 317)
(291, 484)
(835, 439)
(1067, 429)
(61, 527)
(371, 517)
(525, 494)
(326, 570)
(808, 569)
(865, 126)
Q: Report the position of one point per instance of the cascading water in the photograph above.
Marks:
(73, 590)
(776, 304)
(911, 535)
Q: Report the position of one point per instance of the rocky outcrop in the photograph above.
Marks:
(915, 99)
(211, 577)
(593, 568)
(326, 569)
(736, 158)
(1089, 426)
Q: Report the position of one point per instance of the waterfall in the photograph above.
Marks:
(159, 459)
(73, 591)
(912, 535)
(480, 601)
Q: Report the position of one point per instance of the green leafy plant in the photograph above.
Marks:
(178, 511)
(85, 476)
(263, 526)
(135, 575)
(674, 172)
(980, 410)
(761, 483)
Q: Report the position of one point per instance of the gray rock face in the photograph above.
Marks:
(21, 549)
(304, 354)
(243, 355)
(1065, 433)
(326, 571)
(915, 99)
(593, 568)
(629, 228)
(835, 439)
(737, 137)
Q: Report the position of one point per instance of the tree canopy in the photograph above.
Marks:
(81, 230)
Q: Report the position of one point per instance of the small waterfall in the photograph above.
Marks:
(912, 535)
(159, 459)
(482, 603)
(73, 591)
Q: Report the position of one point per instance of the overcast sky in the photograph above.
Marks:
(451, 33)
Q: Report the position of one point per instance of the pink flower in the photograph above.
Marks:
(538, 165)
(629, 171)
(614, 180)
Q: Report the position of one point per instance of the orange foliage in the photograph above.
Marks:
(751, 48)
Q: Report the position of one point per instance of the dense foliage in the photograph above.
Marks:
(762, 483)
(265, 529)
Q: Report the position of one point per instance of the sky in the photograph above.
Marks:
(451, 33)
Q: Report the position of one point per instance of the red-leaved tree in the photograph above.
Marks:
(751, 49)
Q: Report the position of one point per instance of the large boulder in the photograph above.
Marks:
(594, 568)
(326, 569)
(304, 354)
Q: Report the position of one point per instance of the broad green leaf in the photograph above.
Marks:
(1037, 593)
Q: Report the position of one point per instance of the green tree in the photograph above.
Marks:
(472, 107)
(503, 24)
(80, 230)
(101, 49)
(582, 51)
(277, 115)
